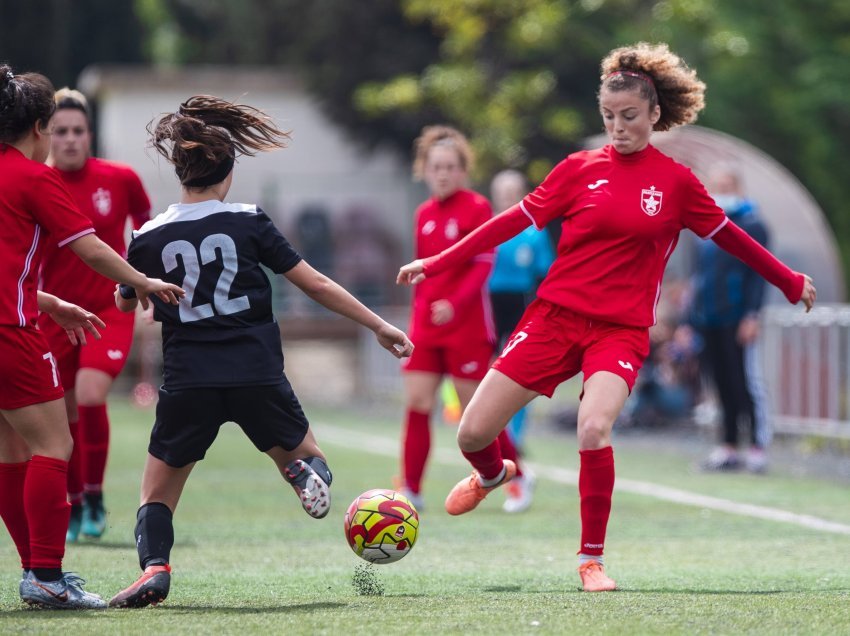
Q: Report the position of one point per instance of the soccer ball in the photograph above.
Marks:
(381, 526)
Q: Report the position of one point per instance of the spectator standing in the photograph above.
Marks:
(727, 298)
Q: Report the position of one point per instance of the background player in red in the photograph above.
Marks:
(622, 208)
(222, 357)
(35, 442)
(112, 196)
(450, 320)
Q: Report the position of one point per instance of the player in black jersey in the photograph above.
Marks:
(222, 356)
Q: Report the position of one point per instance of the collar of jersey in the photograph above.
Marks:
(633, 157)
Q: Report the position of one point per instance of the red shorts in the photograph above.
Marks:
(28, 372)
(551, 344)
(469, 363)
(109, 354)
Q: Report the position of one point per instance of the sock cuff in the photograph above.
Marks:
(154, 507)
(16, 467)
(92, 409)
(50, 462)
(417, 415)
(597, 456)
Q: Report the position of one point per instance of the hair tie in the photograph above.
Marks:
(641, 76)
(10, 75)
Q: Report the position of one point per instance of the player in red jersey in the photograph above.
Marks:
(35, 442)
(111, 195)
(450, 320)
(622, 208)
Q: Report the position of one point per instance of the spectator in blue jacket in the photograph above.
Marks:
(728, 296)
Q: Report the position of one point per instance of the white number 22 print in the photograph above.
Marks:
(224, 305)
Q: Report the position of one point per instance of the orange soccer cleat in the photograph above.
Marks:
(149, 589)
(594, 579)
(469, 492)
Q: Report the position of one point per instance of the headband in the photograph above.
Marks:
(218, 175)
(641, 76)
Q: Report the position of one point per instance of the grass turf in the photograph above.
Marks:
(248, 560)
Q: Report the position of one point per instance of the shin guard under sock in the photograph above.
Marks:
(154, 534)
(595, 487)
(416, 447)
(12, 479)
(48, 510)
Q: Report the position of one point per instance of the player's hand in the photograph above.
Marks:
(76, 321)
(411, 274)
(442, 311)
(394, 340)
(166, 292)
(748, 330)
(809, 293)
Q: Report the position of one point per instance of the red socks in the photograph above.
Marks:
(416, 443)
(509, 450)
(75, 466)
(94, 435)
(47, 510)
(595, 487)
(12, 479)
(487, 461)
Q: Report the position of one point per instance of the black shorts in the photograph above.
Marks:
(188, 420)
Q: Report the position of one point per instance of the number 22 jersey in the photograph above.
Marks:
(223, 332)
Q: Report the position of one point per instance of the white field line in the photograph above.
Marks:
(391, 447)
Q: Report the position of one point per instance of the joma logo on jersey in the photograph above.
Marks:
(650, 201)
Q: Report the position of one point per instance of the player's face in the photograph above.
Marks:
(71, 139)
(628, 119)
(444, 172)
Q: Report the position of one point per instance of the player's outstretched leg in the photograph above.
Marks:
(65, 593)
(149, 589)
(310, 478)
(470, 492)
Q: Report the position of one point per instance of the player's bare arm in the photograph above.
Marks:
(332, 296)
(104, 260)
(73, 319)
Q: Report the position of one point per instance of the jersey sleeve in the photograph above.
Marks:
(700, 213)
(140, 203)
(276, 253)
(551, 198)
(54, 209)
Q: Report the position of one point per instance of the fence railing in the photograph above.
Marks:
(806, 361)
(805, 358)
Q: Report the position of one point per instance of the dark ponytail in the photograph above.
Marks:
(204, 136)
(24, 100)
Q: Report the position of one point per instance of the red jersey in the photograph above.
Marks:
(33, 205)
(108, 193)
(622, 215)
(439, 225)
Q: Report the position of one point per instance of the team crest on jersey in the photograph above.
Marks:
(650, 201)
(452, 230)
(429, 227)
(102, 201)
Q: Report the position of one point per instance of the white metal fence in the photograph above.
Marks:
(806, 361)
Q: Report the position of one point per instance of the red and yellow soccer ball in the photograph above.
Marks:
(381, 526)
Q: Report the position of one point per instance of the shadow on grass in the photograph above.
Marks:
(504, 588)
(218, 609)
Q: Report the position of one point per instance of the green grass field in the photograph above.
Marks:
(248, 560)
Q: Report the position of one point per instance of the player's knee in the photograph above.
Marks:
(594, 431)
